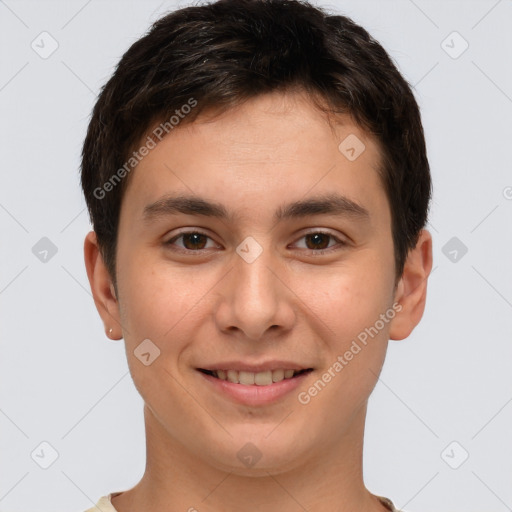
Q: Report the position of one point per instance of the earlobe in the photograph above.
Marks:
(102, 288)
(411, 291)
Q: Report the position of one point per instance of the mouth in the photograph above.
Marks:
(264, 378)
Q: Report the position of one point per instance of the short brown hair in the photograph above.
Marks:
(225, 52)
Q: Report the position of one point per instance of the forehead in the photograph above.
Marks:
(271, 147)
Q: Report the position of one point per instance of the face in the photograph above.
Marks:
(252, 248)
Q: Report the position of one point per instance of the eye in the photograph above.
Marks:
(192, 241)
(318, 242)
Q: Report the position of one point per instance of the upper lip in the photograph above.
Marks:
(255, 368)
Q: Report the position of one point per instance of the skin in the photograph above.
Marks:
(210, 305)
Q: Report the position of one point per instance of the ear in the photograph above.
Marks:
(411, 291)
(102, 287)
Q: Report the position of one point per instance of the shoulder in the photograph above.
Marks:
(389, 504)
(104, 504)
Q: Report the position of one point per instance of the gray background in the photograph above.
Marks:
(64, 383)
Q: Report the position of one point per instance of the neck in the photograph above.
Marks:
(174, 479)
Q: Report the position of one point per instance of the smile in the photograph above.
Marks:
(254, 388)
(264, 378)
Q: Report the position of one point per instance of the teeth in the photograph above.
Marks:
(232, 376)
(250, 378)
(262, 378)
(246, 378)
(277, 375)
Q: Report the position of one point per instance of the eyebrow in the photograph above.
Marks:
(329, 204)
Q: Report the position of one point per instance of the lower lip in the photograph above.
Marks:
(253, 394)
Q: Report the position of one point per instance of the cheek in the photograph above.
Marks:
(348, 305)
(154, 297)
(156, 305)
(347, 299)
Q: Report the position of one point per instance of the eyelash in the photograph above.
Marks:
(315, 252)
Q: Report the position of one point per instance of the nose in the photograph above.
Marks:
(255, 301)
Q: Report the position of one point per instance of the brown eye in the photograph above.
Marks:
(317, 240)
(194, 241)
(191, 241)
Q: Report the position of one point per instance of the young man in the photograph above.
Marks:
(257, 179)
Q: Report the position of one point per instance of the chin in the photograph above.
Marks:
(256, 455)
